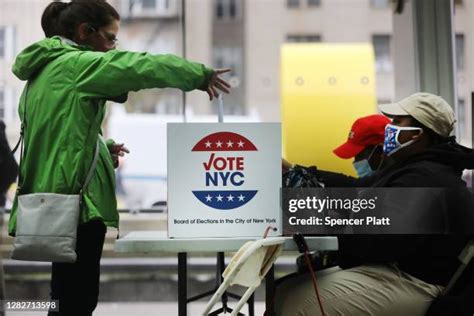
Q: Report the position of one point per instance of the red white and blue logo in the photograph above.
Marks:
(224, 170)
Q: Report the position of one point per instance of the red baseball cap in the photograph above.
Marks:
(366, 131)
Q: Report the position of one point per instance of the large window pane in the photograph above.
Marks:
(245, 35)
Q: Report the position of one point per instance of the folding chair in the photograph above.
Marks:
(465, 257)
(247, 268)
(446, 305)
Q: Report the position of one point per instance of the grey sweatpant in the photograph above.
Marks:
(370, 290)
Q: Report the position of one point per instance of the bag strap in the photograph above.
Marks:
(20, 145)
(17, 144)
(90, 174)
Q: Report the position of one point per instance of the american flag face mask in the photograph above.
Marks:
(391, 144)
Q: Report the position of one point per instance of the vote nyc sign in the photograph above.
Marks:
(224, 179)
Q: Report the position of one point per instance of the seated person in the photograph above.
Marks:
(399, 274)
(364, 145)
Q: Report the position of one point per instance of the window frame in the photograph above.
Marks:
(313, 3)
(293, 4)
(226, 7)
(303, 38)
(460, 39)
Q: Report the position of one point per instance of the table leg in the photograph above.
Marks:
(182, 284)
(270, 291)
(220, 278)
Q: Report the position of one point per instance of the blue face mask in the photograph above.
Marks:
(363, 168)
(391, 144)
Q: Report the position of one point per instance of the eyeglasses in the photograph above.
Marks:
(105, 35)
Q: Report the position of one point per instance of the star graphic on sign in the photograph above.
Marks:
(219, 144)
(230, 144)
(208, 144)
(241, 143)
(241, 197)
(208, 198)
(219, 198)
(230, 197)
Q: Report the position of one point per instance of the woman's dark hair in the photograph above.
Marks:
(61, 18)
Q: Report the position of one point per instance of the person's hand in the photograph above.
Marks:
(116, 151)
(217, 83)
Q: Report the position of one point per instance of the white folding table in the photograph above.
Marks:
(158, 242)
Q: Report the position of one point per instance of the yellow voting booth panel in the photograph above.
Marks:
(324, 89)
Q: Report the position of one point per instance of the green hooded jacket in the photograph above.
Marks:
(68, 86)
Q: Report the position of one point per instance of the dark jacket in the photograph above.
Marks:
(8, 165)
(432, 258)
(440, 166)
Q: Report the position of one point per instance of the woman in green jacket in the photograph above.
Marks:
(71, 74)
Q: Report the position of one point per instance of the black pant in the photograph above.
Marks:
(76, 285)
